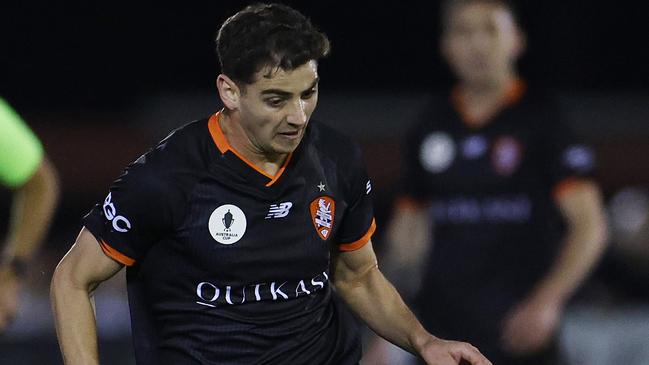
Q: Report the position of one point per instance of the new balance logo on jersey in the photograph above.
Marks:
(368, 187)
(279, 210)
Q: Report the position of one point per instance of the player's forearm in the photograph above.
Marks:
(582, 248)
(380, 306)
(408, 240)
(32, 209)
(75, 321)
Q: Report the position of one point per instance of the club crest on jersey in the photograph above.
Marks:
(227, 224)
(437, 152)
(506, 155)
(323, 210)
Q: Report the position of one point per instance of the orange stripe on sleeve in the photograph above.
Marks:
(352, 246)
(115, 255)
(408, 203)
(566, 185)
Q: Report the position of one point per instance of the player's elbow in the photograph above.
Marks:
(60, 281)
(47, 179)
(64, 281)
(348, 281)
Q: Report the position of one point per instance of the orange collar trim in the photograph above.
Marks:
(217, 134)
(224, 146)
(513, 94)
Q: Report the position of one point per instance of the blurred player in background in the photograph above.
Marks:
(517, 220)
(233, 226)
(33, 180)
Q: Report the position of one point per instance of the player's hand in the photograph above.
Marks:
(530, 326)
(436, 351)
(9, 293)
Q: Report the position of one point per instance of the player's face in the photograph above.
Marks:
(481, 42)
(275, 109)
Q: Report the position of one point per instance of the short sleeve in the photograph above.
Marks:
(20, 150)
(568, 159)
(136, 213)
(358, 223)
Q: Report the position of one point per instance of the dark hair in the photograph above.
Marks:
(449, 5)
(264, 35)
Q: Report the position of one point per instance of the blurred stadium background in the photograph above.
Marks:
(100, 82)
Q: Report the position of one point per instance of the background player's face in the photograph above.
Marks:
(481, 42)
(275, 109)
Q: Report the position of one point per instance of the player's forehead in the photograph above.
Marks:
(297, 80)
(480, 13)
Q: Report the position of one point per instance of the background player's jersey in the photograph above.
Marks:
(496, 226)
(20, 150)
(228, 265)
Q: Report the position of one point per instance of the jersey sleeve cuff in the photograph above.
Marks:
(566, 185)
(114, 254)
(352, 246)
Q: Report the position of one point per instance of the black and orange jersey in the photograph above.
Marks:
(491, 195)
(227, 265)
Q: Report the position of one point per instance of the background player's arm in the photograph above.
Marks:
(408, 240)
(24, 169)
(361, 284)
(78, 274)
(32, 208)
(531, 324)
(31, 211)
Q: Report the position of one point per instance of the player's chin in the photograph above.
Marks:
(286, 143)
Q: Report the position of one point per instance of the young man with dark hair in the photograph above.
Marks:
(498, 175)
(233, 226)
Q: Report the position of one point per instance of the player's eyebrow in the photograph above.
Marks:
(285, 93)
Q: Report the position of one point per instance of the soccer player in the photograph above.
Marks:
(517, 220)
(33, 180)
(235, 228)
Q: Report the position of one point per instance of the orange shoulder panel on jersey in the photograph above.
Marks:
(352, 246)
(408, 203)
(115, 255)
(568, 184)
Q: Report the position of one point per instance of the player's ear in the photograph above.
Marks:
(520, 43)
(228, 91)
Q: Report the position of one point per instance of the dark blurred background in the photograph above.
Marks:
(100, 82)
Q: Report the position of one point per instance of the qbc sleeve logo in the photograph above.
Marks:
(120, 223)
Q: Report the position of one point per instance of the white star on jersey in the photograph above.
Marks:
(321, 186)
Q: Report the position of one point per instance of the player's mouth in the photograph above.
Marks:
(291, 134)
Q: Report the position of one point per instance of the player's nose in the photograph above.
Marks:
(297, 114)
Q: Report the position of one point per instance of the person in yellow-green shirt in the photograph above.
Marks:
(26, 171)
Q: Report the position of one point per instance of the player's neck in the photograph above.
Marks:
(488, 92)
(480, 101)
(242, 145)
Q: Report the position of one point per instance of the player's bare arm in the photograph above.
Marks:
(531, 325)
(361, 284)
(33, 205)
(78, 274)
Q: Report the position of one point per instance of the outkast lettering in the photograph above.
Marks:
(213, 294)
